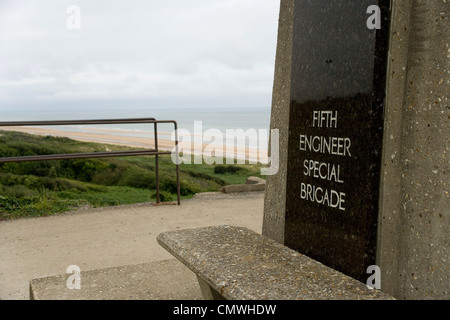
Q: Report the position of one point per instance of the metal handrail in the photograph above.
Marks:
(154, 152)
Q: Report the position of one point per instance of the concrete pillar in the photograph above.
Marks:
(413, 232)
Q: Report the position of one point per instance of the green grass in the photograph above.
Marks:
(33, 189)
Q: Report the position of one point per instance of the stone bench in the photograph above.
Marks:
(156, 280)
(238, 264)
(252, 184)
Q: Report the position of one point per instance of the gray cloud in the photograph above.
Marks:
(171, 52)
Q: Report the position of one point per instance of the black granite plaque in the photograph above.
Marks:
(335, 132)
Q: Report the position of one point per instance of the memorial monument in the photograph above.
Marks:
(360, 101)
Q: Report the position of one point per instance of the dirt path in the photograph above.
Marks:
(109, 237)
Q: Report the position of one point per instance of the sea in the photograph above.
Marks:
(192, 120)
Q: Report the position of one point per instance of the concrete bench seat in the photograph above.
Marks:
(235, 263)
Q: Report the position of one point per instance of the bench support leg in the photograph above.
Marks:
(208, 292)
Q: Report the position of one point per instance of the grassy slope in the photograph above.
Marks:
(42, 188)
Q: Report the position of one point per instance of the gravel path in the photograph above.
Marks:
(110, 237)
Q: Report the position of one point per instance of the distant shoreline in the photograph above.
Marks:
(113, 137)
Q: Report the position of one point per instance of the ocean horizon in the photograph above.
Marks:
(191, 120)
(212, 118)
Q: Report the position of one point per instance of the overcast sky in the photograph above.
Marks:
(163, 53)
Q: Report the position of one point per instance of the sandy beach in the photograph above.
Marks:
(165, 142)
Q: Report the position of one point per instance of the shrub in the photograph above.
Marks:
(43, 205)
(18, 191)
(164, 196)
(48, 183)
(82, 169)
(227, 169)
(64, 184)
(110, 177)
(138, 178)
(8, 204)
(186, 187)
(205, 176)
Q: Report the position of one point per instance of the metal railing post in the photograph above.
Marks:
(178, 164)
(158, 199)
